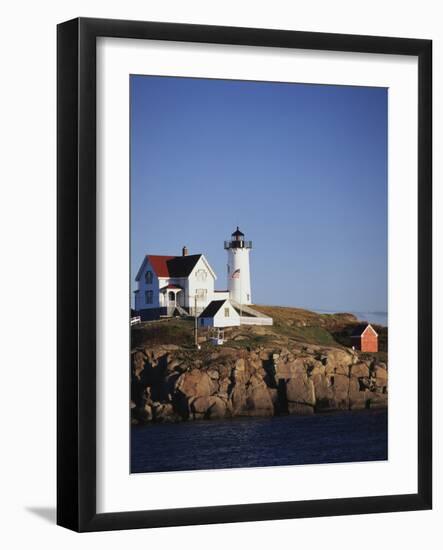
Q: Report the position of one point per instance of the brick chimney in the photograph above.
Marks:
(185, 251)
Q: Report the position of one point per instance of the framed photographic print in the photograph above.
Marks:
(244, 274)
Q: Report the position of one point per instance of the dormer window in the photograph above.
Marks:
(148, 277)
(201, 275)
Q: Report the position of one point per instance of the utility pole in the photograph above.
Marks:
(195, 321)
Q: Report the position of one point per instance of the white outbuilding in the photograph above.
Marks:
(219, 313)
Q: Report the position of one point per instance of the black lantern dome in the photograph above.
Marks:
(238, 234)
(238, 240)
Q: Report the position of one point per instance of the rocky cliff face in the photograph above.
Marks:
(172, 384)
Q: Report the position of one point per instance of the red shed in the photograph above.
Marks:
(365, 338)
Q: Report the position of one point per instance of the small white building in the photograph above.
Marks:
(219, 313)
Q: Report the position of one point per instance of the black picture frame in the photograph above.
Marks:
(76, 265)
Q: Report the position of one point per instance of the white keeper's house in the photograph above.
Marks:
(185, 285)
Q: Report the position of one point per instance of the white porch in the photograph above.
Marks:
(169, 298)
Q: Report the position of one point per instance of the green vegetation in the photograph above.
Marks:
(168, 331)
(292, 316)
(308, 334)
(314, 335)
(290, 325)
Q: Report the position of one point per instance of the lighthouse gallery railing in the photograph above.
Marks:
(238, 244)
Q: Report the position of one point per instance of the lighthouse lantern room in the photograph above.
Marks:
(239, 280)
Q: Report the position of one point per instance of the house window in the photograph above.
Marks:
(247, 297)
(148, 277)
(201, 275)
(226, 312)
(149, 296)
(171, 296)
(201, 293)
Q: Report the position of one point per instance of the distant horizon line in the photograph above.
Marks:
(328, 310)
(377, 312)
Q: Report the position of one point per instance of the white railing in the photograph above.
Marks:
(136, 320)
(256, 321)
(181, 310)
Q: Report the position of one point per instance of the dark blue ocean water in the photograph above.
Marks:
(251, 442)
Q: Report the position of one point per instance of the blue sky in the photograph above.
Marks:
(302, 169)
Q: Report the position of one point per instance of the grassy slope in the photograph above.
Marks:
(302, 324)
(290, 325)
(171, 331)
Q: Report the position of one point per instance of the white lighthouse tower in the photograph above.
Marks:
(239, 279)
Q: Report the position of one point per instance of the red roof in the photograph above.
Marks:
(159, 264)
(170, 266)
(360, 329)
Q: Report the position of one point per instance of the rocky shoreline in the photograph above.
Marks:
(173, 384)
